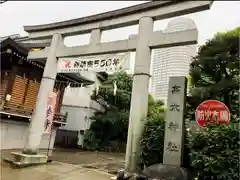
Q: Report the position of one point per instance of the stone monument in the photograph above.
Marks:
(174, 119)
(174, 136)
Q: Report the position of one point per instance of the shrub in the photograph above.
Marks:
(90, 142)
(215, 152)
(152, 141)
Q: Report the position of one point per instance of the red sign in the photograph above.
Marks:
(212, 112)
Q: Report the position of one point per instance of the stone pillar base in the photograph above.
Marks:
(162, 171)
(23, 160)
(157, 171)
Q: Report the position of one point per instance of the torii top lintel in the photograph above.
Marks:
(118, 18)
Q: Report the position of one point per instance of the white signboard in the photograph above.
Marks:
(100, 63)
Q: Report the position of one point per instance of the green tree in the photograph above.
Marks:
(152, 140)
(106, 97)
(215, 72)
(215, 75)
(155, 108)
(112, 123)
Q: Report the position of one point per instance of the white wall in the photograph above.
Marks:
(77, 96)
(14, 135)
(77, 102)
(78, 117)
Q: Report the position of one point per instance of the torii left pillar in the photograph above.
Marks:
(30, 153)
(139, 99)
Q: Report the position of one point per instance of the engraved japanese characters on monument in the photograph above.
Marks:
(174, 128)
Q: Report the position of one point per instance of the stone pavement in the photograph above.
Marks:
(53, 171)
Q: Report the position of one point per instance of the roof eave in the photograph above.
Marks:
(20, 48)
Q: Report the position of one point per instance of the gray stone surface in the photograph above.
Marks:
(22, 160)
(36, 128)
(166, 172)
(157, 39)
(122, 18)
(174, 127)
(51, 171)
(139, 99)
(156, 172)
(124, 175)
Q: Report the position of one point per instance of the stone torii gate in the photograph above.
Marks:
(144, 14)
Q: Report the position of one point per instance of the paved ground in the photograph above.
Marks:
(67, 165)
(107, 162)
(53, 171)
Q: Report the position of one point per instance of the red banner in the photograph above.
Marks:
(50, 111)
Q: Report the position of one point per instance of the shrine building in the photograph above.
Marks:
(20, 82)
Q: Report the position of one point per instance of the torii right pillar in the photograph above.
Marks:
(139, 100)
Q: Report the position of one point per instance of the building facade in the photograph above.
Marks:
(79, 106)
(172, 61)
(19, 84)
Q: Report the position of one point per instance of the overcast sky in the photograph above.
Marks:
(224, 15)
